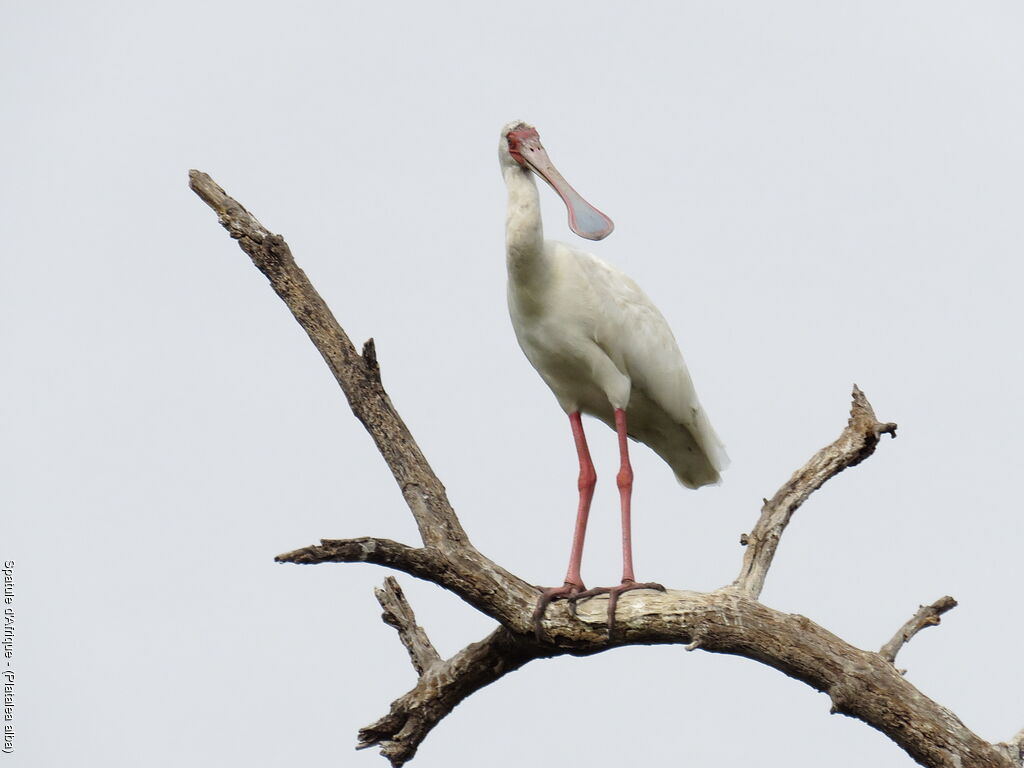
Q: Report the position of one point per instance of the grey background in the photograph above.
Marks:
(814, 194)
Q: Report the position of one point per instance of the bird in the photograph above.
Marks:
(603, 348)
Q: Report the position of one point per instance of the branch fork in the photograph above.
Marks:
(861, 684)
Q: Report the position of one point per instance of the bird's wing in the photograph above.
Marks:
(635, 334)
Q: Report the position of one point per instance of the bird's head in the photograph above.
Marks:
(510, 147)
(520, 147)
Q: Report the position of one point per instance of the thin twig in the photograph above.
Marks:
(857, 441)
(417, 561)
(399, 614)
(926, 616)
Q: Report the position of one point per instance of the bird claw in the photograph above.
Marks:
(613, 596)
(573, 593)
(567, 591)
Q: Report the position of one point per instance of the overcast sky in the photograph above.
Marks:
(815, 194)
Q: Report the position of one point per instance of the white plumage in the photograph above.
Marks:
(597, 340)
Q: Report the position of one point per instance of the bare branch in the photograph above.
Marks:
(358, 376)
(420, 562)
(856, 443)
(926, 616)
(400, 732)
(475, 578)
(398, 614)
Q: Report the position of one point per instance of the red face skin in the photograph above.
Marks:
(516, 138)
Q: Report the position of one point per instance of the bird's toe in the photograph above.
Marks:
(567, 591)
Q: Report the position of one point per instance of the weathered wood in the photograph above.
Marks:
(399, 614)
(926, 616)
(857, 441)
(358, 376)
(440, 689)
(861, 684)
(469, 574)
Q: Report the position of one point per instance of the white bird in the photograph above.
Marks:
(602, 347)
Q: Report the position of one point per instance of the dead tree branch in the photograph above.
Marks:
(358, 376)
(860, 683)
(400, 732)
(398, 614)
(856, 443)
(926, 616)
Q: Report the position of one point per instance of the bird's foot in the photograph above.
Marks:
(567, 591)
(628, 585)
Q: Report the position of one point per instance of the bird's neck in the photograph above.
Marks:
(524, 233)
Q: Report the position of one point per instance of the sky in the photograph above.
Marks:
(815, 195)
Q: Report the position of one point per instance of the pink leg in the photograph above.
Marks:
(625, 482)
(587, 480)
